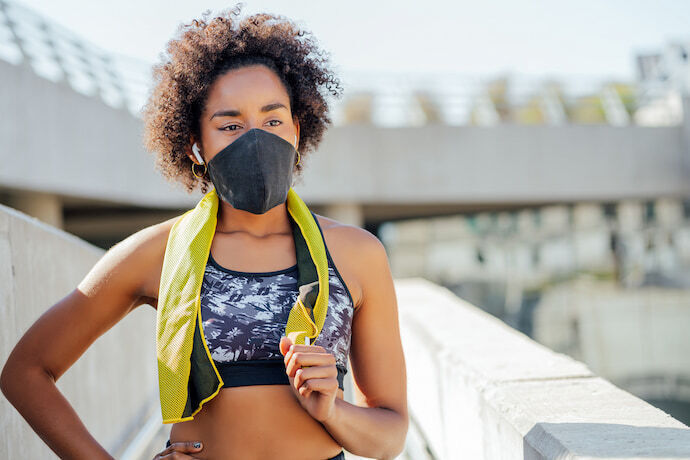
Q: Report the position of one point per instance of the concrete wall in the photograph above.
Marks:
(478, 389)
(114, 384)
(63, 142)
(638, 338)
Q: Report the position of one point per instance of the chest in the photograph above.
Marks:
(252, 255)
(244, 314)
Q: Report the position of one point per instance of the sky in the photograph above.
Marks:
(554, 38)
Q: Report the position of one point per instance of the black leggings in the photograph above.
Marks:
(339, 456)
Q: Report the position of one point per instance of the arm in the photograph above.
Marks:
(64, 332)
(377, 426)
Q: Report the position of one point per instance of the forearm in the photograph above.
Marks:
(36, 397)
(372, 432)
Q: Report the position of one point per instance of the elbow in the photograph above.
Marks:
(3, 383)
(6, 379)
(10, 378)
(396, 446)
(15, 376)
(6, 376)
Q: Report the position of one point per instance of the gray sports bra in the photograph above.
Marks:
(244, 316)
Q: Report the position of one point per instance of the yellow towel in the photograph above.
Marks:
(187, 375)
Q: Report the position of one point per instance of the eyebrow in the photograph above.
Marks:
(236, 113)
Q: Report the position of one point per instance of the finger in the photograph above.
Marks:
(315, 348)
(304, 361)
(184, 447)
(301, 348)
(326, 386)
(284, 345)
(314, 372)
(178, 456)
(300, 359)
(294, 348)
(308, 358)
(304, 391)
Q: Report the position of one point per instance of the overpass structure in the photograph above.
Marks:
(72, 154)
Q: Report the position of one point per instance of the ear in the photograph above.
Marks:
(296, 122)
(188, 151)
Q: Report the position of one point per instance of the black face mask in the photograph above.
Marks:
(254, 173)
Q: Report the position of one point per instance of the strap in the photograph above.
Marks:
(307, 278)
(305, 264)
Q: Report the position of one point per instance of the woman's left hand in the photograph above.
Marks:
(313, 377)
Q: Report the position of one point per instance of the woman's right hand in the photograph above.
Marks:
(179, 450)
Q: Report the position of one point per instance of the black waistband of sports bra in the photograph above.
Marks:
(259, 372)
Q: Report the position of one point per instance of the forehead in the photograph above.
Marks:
(250, 85)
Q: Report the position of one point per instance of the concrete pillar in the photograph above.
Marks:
(630, 215)
(668, 212)
(45, 207)
(346, 212)
(686, 132)
(588, 215)
(555, 219)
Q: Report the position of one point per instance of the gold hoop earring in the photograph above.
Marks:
(298, 157)
(194, 171)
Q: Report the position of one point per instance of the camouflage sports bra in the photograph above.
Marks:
(244, 315)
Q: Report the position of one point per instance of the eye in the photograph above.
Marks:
(278, 121)
(228, 126)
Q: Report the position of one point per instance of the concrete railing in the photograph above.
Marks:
(478, 389)
(113, 386)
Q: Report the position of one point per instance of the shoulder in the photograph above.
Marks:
(148, 241)
(126, 274)
(355, 252)
(350, 237)
(142, 255)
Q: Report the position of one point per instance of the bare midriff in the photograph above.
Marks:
(257, 422)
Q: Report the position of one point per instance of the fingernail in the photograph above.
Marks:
(292, 347)
(197, 445)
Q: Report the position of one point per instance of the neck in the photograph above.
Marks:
(273, 221)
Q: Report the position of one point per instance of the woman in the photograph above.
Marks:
(258, 82)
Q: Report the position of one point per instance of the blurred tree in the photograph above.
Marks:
(358, 108)
(429, 106)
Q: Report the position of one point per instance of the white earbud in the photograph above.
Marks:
(295, 142)
(195, 149)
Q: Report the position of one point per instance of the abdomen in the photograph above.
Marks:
(257, 422)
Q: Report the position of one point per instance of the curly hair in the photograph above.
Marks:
(206, 49)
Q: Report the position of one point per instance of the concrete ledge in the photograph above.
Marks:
(481, 390)
(113, 386)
